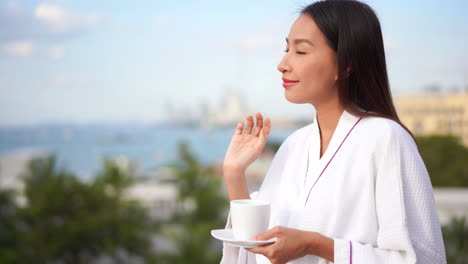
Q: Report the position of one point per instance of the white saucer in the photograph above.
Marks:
(227, 236)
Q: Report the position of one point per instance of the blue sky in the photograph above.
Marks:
(119, 61)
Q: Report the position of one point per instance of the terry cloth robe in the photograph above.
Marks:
(374, 199)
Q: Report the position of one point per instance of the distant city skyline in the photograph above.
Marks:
(120, 61)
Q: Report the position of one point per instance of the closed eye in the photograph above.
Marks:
(297, 52)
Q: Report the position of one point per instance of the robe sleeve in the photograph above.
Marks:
(232, 254)
(409, 228)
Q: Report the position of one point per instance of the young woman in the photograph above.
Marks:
(351, 187)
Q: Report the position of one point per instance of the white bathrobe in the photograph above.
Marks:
(374, 198)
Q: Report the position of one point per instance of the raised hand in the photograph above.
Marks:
(246, 145)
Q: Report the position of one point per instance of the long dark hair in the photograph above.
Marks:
(352, 30)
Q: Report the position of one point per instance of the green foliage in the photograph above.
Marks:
(202, 207)
(66, 220)
(8, 227)
(446, 160)
(456, 241)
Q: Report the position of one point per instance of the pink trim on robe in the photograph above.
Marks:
(326, 166)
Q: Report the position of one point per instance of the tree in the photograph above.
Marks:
(202, 206)
(8, 227)
(445, 158)
(456, 241)
(66, 220)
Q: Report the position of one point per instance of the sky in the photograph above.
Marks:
(93, 61)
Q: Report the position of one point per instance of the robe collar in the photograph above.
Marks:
(345, 123)
(315, 163)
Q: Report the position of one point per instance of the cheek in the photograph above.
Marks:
(312, 75)
(319, 72)
(317, 79)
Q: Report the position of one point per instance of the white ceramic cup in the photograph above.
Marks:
(249, 218)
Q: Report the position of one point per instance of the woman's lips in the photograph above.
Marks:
(287, 83)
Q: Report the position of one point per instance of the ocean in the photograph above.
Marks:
(81, 148)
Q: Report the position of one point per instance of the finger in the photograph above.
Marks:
(264, 133)
(269, 234)
(260, 250)
(248, 129)
(239, 128)
(267, 127)
(259, 124)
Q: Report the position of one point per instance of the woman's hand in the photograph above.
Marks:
(292, 244)
(247, 145)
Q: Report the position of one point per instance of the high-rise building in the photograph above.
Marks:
(232, 109)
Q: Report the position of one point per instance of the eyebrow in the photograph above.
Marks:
(296, 41)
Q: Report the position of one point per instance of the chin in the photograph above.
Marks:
(295, 99)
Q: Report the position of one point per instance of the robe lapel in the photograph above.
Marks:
(317, 164)
(313, 154)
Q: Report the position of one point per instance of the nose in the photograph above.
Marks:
(284, 66)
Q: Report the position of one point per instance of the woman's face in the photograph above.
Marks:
(309, 66)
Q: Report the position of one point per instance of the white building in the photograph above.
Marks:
(451, 202)
(159, 198)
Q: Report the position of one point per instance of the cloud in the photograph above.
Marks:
(62, 20)
(19, 48)
(51, 13)
(57, 51)
(44, 23)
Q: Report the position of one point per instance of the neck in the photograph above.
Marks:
(328, 115)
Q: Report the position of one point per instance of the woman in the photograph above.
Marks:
(351, 187)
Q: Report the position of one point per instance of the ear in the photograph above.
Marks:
(337, 74)
(348, 72)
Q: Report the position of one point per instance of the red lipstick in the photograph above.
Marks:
(287, 83)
